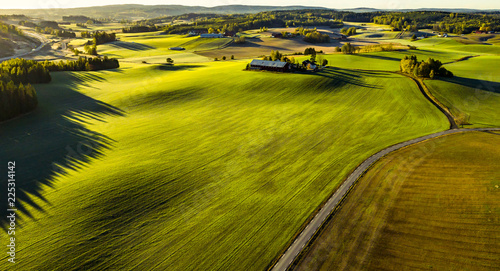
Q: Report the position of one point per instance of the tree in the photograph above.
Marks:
(347, 48)
(223, 57)
(431, 74)
(211, 30)
(232, 57)
(170, 60)
(414, 37)
(216, 59)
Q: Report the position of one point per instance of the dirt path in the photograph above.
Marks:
(307, 234)
(434, 101)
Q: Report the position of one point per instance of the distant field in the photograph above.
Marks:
(202, 166)
(98, 27)
(431, 206)
(153, 48)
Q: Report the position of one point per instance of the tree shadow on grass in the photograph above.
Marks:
(51, 140)
(168, 67)
(134, 46)
(380, 57)
(485, 85)
(341, 77)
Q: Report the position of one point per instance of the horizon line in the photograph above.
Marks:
(316, 7)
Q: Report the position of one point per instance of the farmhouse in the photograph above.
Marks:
(269, 65)
(211, 36)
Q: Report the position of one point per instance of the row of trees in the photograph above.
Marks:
(24, 71)
(8, 28)
(16, 99)
(458, 23)
(312, 35)
(99, 37)
(56, 32)
(141, 28)
(17, 95)
(83, 64)
(426, 69)
(261, 20)
(348, 31)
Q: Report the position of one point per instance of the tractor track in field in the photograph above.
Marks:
(302, 240)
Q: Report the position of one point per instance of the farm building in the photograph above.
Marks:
(211, 36)
(276, 35)
(269, 65)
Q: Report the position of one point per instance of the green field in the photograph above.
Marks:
(202, 165)
(430, 206)
(197, 166)
(475, 90)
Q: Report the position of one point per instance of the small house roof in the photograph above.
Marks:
(267, 63)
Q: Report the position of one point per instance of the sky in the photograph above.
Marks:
(382, 4)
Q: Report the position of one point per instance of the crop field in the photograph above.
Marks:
(190, 166)
(201, 44)
(96, 27)
(433, 205)
(474, 91)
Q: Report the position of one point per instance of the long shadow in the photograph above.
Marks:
(134, 46)
(51, 140)
(380, 57)
(341, 77)
(167, 67)
(474, 83)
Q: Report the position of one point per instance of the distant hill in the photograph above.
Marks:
(135, 12)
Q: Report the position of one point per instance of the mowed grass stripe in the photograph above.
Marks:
(431, 205)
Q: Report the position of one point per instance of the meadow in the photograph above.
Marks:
(202, 165)
(433, 205)
(474, 91)
(193, 166)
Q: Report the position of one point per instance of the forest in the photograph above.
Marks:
(440, 21)
(18, 96)
(458, 23)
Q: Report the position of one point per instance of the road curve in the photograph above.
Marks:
(310, 230)
(42, 39)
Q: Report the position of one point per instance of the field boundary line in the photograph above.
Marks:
(298, 246)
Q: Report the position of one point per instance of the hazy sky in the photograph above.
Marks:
(383, 4)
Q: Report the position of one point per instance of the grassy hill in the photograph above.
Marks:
(474, 91)
(200, 166)
(429, 206)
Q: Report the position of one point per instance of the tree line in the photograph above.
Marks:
(458, 23)
(241, 22)
(141, 28)
(8, 28)
(18, 96)
(425, 69)
(99, 37)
